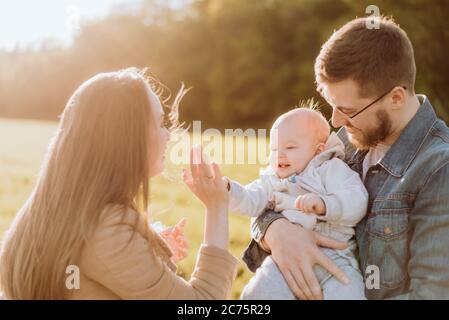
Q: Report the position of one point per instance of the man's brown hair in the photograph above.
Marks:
(376, 59)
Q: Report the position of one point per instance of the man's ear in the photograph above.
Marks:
(319, 148)
(398, 98)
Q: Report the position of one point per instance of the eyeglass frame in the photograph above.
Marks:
(369, 105)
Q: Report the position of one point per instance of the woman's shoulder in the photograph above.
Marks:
(121, 255)
(121, 216)
(116, 227)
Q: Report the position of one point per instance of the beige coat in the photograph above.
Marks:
(119, 263)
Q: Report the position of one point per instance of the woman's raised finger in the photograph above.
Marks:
(194, 162)
(205, 169)
(218, 177)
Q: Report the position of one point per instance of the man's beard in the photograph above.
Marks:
(372, 137)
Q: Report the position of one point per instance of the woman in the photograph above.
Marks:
(84, 209)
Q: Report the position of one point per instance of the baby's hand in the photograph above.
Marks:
(310, 203)
(283, 202)
(177, 242)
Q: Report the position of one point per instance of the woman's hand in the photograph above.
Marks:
(205, 181)
(295, 251)
(176, 240)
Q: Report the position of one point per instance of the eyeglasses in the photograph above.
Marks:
(372, 103)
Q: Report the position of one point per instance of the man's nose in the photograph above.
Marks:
(338, 119)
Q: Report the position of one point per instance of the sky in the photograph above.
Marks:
(28, 22)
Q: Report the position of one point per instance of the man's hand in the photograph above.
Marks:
(310, 203)
(295, 251)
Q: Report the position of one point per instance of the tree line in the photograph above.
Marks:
(246, 60)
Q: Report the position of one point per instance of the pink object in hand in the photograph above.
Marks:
(176, 240)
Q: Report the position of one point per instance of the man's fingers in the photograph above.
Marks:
(324, 241)
(302, 284)
(312, 282)
(293, 285)
(330, 266)
(296, 282)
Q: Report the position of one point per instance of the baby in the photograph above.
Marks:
(308, 182)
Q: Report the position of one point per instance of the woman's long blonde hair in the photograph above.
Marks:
(100, 155)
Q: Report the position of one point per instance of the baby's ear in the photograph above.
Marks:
(320, 148)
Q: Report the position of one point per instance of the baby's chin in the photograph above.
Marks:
(283, 173)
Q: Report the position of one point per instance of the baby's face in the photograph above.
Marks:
(292, 145)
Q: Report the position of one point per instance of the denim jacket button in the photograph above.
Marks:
(387, 230)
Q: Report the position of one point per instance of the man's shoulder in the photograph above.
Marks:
(433, 154)
(437, 146)
(441, 131)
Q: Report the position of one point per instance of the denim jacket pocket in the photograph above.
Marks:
(387, 231)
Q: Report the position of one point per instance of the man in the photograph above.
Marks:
(400, 149)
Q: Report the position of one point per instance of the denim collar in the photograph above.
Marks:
(406, 147)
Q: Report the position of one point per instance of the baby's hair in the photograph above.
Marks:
(309, 104)
(312, 107)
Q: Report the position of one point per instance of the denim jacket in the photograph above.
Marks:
(405, 232)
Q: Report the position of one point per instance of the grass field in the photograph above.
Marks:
(23, 144)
